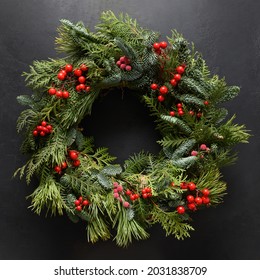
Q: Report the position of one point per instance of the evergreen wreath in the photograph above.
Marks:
(174, 82)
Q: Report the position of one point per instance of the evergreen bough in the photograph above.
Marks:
(195, 143)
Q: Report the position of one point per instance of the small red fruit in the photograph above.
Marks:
(203, 147)
(190, 198)
(44, 123)
(77, 72)
(82, 79)
(191, 113)
(59, 94)
(85, 202)
(82, 86)
(128, 192)
(163, 90)
(126, 204)
(73, 155)
(132, 196)
(83, 67)
(136, 195)
(68, 68)
(64, 165)
(177, 77)
(154, 86)
(173, 82)
(144, 195)
(49, 127)
(77, 202)
(52, 91)
(192, 186)
(160, 98)
(80, 198)
(206, 103)
(88, 88)
(191, 206)
(163, 45)
(35, 133)
(76, 163)
(180, 209)
(205, 200)
(156, 46)
(205, 192)
(61, 76)
(183, 186)
(65, 94)
(180, 70)
(79, 208)
(57, 169)
(179, 105)
(198, 200)
(180, 113)
(172, 113)
(42, 133)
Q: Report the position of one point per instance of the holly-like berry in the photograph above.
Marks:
(180, 113)
(49, 127)
(52, 91)
(180, 209)
(206, 102)
(205, 192)
(177, 77)
(191, 113)
(203, 147)
(79, 208)
(173, 82)
(192, 186)
(205, 200)
(163, 90)
(128, 192)
(76, 163)
(154, 86)
(172, 113)
(65, 94)
(190, 198)
(59, 94)
(191, 206)
(183, 185)
(156, 46)
(120, 188)
(73, 155)
(42, 133)
(126, 204)
(77, 202)
(64, 165)
(122, 66)
(132, 197)
(163, 45)
(35, 133)
(180, 70)
(57, 169)
(198, 200)
(194, 153)
(61, 76)
(88, 88)
(77, 72)
(85, 202)
(68, 68)
(83, 67)
(128, 68)
(44, 123)
(82, 79)
(199, 115)
(81, 86)
(179, 105)
(160, 98)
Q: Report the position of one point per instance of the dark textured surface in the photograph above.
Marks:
(228, 35)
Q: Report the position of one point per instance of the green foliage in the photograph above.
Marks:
(96, 176)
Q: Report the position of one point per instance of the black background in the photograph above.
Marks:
(228, 35)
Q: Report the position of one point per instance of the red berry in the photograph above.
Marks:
(160, 98)
(132, 196)
(77, 202)
(118, 63)
(128, 68)
(156, 46)
(154, 86)
(49, 127)
(85, 202)
(144, 195)
(44, 123)
(173, 82)
(180, 113)
(64, 165)
(172, 184)
(61, 76)
(191, 113)
(180, 209)
(192, 206)
(180, 70)
(126, 204)
(203, 147)
(190, 198)
(35, 133)
(148, 190)
(73, 155)
(198, 200)
(205, 192)
(205, 200)
(79, 208)
(179, 105)
(42, 133)
(63, 72)
(82, 86)
(77, 88)
(88, 88)
(77, 72)
(82, 79)
(136, 195)
(172, 113)
(128, 192)
(163, 90)
(199, 114)
(65, 94)
(192, 186)
(120, 188)
(80, 198)
(206, 102)
(183, 186)
(83, 67)
(177, 77)
(59, 94)
(57, 169)
(122, 66)
(68, 68)
(158, 51)
(163, 45)
(122, 59)
(76, 163)
(194, 153)
(52, 91)
(143, 191)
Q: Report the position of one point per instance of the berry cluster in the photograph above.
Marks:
(132, 196)
(58, 168)
(195, 197)
(73, 155)
(163, 90)
(179, 109)
(43, 129)
(202, 150)
(177, 77)
(158, 46)
(146, 192)
(118, 192)
(124, 63)
(76, 76)
(80, 203)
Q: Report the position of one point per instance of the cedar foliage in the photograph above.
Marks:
(163, 173)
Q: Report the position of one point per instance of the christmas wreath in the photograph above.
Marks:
(174, 82)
